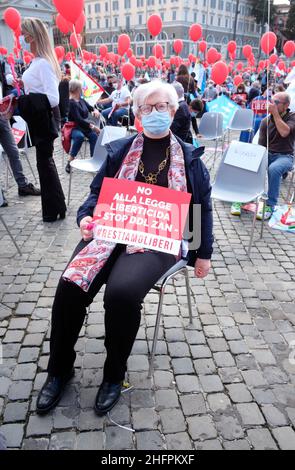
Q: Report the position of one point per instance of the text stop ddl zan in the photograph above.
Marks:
(141, 214)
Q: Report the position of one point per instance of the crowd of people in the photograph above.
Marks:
(167, 108)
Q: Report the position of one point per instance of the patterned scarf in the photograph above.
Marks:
(87, 264)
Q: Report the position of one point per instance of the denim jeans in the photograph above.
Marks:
(78, 137)
(278, 164)
(10, 148)
(113, 121)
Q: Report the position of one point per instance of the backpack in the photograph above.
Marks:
(66, 133)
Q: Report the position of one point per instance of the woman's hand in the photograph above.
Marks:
(202, 267)
(95, 128)
(95, 113)
(85, 224)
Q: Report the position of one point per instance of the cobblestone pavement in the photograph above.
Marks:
(225, 383)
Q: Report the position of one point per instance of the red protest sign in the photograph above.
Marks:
(17, 134)
(140, 214)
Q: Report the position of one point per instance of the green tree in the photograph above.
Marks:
(260, 11)
(290, 26)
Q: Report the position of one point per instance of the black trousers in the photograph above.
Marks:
(128, 279)
(52, 196)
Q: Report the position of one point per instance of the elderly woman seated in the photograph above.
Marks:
(129, 272)
(78, 113)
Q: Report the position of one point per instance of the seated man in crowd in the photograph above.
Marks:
(118, 101)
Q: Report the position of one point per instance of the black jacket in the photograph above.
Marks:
(79, 112)
(198, 181)
(181, 123)
(35, 109)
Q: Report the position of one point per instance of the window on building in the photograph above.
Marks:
(174, 13)
(162, 15)
(116, 5)
(127, 3)
(107, 22)
(252, 27)
(213, 3)
(116, 22)
(97, 24)
(226, 23)
(211, 19)
(228, 6)
(219, 21)
(97, 8)
(221, 5)
(89, 9)
(139, 51)
(195, 17)
(140, 3)
(127, 22)
(140, 18)
(89, 24)
(203, 19)
(204, 3)
(106, 6)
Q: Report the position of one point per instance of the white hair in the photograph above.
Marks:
(75, 85)
(179, 89)
(147, 89)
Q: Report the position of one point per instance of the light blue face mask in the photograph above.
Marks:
(26, 46)
(156, 123)
(193, 114)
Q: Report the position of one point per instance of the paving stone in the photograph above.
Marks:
(253, 378)
(204, 366)
(20, 390)
(218, 401)
(218, 344)
(178, 349)
(15, 412)
(211, 383)
(230, 375)
(238, 347)
(142, 399)
(223, 359)
(33, 339)
(166, 399)
(35, 444)
(273, 416)
(263, 396)
(145, 419)
(201, 428)
(149, 440)
(193, 404)
(39, 426)
(65, 417)
(239, 444)
(25, 308)
(163, 379)
(250, 414)
(291, 415)
(285, 437)
(28, 355)
(182, 365)
(13, 434)
(229, 427)
(239, 393)
(25, 371)
(187, 383)
(63, 441)
(200, 352)
(264, 357)
(261, 439)
(179, 440)
(212, 444)
(90, 441)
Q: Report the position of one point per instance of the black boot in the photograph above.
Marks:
(107, 396)
(51, 392)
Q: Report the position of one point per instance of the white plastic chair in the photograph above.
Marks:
(238, 184)
(5, 226)
(242, 120)
(160, 286)
(93, 164)
(211, 128)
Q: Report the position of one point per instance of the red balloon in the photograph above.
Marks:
(128, 71)
(75, 40)
(69, 10)
(138, 125)
(212, 55)
(3, 51)
(151, 62)
(282, 65)
(232, 47)
(154, 24)
(273, 58)
(247, 51)
(62, 24)
(239, 66)
(123, 43)
(195, 32)
(192, 58)
(219, 72)
(129, 52)
(133, 60)
(80, 23)
(103, 50)
(12, 18)
(158, 51)
(60, 52)
(268, 42)
(178, 46)
(202, 46)
(289, 48)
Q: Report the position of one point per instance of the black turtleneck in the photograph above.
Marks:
(154, 152)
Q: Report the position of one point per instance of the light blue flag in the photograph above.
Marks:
(225, 106)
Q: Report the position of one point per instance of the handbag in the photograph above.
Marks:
(66, 133)
(7, 106)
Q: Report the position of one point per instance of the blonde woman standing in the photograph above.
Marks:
(40, 83)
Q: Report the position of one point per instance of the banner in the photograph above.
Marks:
(17, 134)
(91, 90)
(283, 218)
(141, 215)
(225, 106)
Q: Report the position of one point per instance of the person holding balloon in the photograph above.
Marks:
(154, 156)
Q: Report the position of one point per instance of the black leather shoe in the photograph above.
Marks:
(68, 167)
(107, 396)
(29, 190)
(51, 392)
(53, 218)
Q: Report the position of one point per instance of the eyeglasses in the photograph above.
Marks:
(160, 107)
